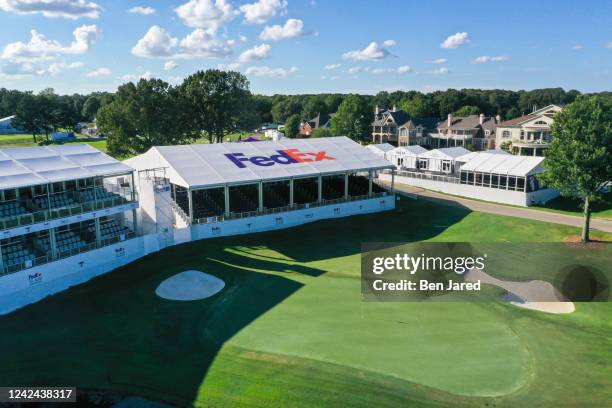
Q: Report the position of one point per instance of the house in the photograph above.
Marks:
(405, 156)
(529, 134)
(323, 121)
(440, 160)
(395, 126)
(380, 149)
(274, 134)
(476, 130)
(6, 126)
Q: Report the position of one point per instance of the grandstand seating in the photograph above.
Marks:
(358, 186)
(68, 240)
(244, 198)
(16, 253)
(58, 200)
(97, 193)
(275, 194)
(11, 209)
(305, 190)
(208, 203)
(333, 187)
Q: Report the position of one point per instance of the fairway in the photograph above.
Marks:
(289, 328)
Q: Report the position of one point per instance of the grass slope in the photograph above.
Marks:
(290, 328)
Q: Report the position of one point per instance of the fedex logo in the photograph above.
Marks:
(288, 156)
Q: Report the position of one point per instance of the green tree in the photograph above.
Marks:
(292, 126)
(314, 106)
(149, 113)
(218, 102)
(579, 159)
(27, 115)
(354, 118)
(285, 107)
(467, 111)
(421, 106)
(321, 132)
(90, 108)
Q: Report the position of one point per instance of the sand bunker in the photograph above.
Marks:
(524, 294)
(189, 285)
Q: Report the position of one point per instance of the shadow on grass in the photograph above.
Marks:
(115, 333)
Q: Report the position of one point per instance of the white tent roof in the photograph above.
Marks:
(471, 155)
(446, 153)
(504, 164)
(381, 147)
(205, 165)
(414, 150)
(28, 166)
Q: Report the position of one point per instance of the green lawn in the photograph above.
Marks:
(28, 141)
(565, 205)
(290, 328)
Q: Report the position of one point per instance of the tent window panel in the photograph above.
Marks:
(463, 177)
(478, 180)
(495, 180)
(503, 180)
(446, 166)
(520, 183)
(511, 183)
(470, 178)
(486, 180)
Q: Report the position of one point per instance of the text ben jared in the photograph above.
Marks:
(435, 273)
(289, 156)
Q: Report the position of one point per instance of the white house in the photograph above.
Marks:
(380, 149)
(6, 126)
(274, 134)
(405, 156)
(440, 160)
(529, 134)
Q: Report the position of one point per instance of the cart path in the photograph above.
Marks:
(500, 209)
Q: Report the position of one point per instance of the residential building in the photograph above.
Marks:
(475, 130)
(529, 134)
(397, 127)
(323, 121)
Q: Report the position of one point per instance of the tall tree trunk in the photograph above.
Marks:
(587, 220)
(34, 136)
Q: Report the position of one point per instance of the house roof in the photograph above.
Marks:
(468, 122)
(207, 165)
(29, 166)
(427, 123)
(504, 164)
(526, 118)
(446, 153)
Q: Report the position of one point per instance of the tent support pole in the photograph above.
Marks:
(346, 186)
(227, 201)
(260, 193)
(190, 197)
(320, 190)
(98, 231)
(393, 181)
(369, 183)
(291, 193)
(53, 243)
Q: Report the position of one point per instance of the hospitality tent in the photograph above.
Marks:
(440, 160)
(380, 149)
(461, 160)
(405, 156)
(503, 171)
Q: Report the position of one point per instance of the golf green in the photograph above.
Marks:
(290, 328)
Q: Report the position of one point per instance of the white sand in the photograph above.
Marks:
(535, 295)
(189, 285)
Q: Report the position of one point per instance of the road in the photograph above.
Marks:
(500, 209)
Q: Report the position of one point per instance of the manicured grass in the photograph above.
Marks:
(290, 328)
(27, 141)
(566, 205)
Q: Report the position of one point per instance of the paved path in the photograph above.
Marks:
(500, 209)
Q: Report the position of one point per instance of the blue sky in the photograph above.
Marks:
(308, 46)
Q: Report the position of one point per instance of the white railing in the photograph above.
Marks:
(426, 176)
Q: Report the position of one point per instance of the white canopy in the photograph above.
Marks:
(471, 155)
(504, 164)
(206, 165)
(446, 153)
(381, 147)
(28, 166)
(414, 150)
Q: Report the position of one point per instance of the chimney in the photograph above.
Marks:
(394, 108)
(376, 110)
(498, 119)
(449, 121)
(481, 118)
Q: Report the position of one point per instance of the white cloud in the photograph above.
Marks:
(146, 75)
(100, 72)
(485, 58)
(270, 72)
(72, 9)
(40, 47)
(157, 42)
(332, 66)
(128, 77)
(57, 67)
(355, 70)
(439, 61)
(232, 67)
(145, 11)
(262, 10)
(389, 43)
(609, 45)
(258, 52)
(456, 40)
(170, 65)
(371, 52)
(14, 69)
(292, 28)
(440, 71)
(175, 80)
(404, 69)
(331, 78)
(242, 38)
(577, 47)
(206, 14)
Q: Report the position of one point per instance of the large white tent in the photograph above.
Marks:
(504, 164)
(208, 165)
(441, 160)
(30, 166)
(405, 156)
(380, 149)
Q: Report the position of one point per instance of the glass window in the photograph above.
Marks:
(470, 178)
(486, 180)
(511, 183)
(506, 133)
(503, 180)
(520, 183)
(495, 180)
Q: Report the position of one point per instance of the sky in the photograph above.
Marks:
(308, 46)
